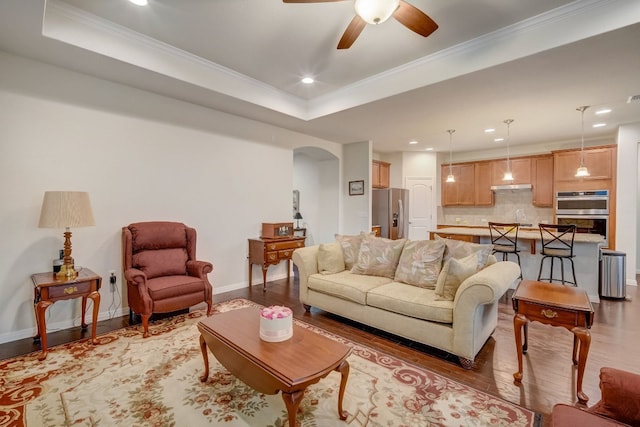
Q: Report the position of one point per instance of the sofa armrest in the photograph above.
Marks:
(199, 268)
(306, 259)
(620, 396)
(487, 285)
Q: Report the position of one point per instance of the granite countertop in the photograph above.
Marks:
(523, 233)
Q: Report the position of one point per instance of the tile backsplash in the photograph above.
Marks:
(507, 204)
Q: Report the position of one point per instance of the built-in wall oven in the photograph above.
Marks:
(589, 210)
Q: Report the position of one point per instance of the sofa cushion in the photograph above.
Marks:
(345, 285)
(459, 249)
(330, 258)
(350, 248)
(378, 256)
(420, 263)
(454, 272)
(411, 301)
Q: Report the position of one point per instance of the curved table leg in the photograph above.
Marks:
(41, 307)
(83, 323)
(584, 337)
(95, 298)
(203, 349)
(292, 402)
(344, 375)
(265, 267)
(519, 321)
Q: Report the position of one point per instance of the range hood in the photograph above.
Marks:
(511, 187)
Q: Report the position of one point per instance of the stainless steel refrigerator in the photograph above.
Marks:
(390, 210)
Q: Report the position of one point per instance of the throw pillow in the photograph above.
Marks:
(350, 248)
(459, 249)
(420, 263)
(454, 272)
(378, 257)
(330, 258)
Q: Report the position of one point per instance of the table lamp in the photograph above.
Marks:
(66, 209)
(297, 217)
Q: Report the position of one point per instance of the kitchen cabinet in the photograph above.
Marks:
(520, 168)
(483, 193)
(542, 181)
(461, 192)
(599, 162)
(380, 174)
(461, 237)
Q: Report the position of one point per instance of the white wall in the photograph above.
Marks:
(141, 157)
(627, 201)
(356, 216)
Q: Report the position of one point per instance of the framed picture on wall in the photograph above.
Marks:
(356, 188)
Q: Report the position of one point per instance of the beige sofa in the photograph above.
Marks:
(460, 327)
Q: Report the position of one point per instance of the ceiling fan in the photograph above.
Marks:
(376, 12)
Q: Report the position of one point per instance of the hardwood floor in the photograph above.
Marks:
(549, 376)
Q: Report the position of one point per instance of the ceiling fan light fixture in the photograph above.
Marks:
(375, 11)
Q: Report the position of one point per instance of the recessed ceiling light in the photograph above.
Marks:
(599, 125)
(139, 2)
(307, 80)
(429, 149)
(498, 140)
(489, 130)
(414, 142)
(604, 111)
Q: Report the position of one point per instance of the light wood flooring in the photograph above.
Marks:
(549, 376)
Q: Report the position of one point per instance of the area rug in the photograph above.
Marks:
(130, 381)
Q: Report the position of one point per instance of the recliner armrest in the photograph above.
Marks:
(135, 276)
(199, 269)
(620, 396)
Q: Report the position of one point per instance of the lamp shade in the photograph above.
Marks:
(297, 216)
(61, 209)
(375, 11)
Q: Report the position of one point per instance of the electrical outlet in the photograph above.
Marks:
(112, 280)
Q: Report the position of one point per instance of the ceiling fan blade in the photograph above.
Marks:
(310, 1)
(414, 19)
(352, 32)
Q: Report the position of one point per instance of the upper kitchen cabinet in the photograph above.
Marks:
(483, 193)
(520, 169)
(599, 161)
(542, 181)
(461, 192)
(380, 174)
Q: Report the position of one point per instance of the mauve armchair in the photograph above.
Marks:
(161, 270)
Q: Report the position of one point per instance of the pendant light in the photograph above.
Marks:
(450, 177)
(508, 176)
(582, 170)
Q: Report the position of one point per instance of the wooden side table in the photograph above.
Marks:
(266, 252)
(48, 289)
(556, 305)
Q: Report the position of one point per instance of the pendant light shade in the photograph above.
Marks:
(508, 176)
(582, 170)
(450, 177)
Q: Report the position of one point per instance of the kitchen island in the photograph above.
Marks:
(586, 248)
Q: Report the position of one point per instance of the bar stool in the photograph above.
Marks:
(504, 238)
(557, 242)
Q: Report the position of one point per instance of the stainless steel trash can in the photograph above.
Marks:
(612, 282)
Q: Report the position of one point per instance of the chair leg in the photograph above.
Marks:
(562, 270)
(540, 270)
(573, 271)
(518, 256)
(145, 325)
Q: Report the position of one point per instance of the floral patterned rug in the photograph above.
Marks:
(128, 381)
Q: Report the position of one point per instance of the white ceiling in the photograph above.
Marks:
(534, 61)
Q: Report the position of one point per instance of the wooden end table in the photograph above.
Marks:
(556, 305)
(268, 367)
(47, 289)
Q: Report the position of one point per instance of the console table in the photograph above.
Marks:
(47, 289)
(270, 251)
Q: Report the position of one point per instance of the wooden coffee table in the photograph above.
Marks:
(556, 305)
(268, 367)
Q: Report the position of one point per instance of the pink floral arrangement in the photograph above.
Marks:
(276, 312)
